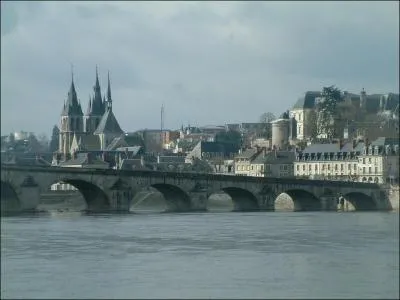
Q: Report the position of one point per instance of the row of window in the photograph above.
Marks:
(328, 167)
(363, 169)
(250, 167)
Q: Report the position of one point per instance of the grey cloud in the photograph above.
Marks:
(208, 62)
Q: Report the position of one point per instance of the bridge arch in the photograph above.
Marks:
(358, 201)
(9, 198)
(95, 198)
(297, 200)
(177, 200)
(242, 199)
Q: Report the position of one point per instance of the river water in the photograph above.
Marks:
(202, 255)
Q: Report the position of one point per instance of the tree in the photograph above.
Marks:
(327, 110)
(55, 137)
(230, 137)
(267, 117)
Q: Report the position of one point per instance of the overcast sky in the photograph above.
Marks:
(208, 62)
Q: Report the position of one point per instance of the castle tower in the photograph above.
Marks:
(96, 108)
(71, 120)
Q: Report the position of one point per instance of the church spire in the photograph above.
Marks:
(97, 79)
(109, 100)
(109, 88)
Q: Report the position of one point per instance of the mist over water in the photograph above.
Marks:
(201, 255)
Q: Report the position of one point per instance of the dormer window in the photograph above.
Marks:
(376, 152)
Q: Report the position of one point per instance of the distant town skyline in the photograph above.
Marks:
(209, 63)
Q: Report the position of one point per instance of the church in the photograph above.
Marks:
(97, 129)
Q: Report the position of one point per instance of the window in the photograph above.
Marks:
(364, 160)
(285, 167)
(304, 167)
(341, 167)
(336, 168)
(297, 168)
(309, 167)
(355, 167)
(369, 160)
(363, 170)
(329, 167)
(316, 167)
(376, 170)
(369, 170)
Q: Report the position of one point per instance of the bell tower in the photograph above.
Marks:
(71, 121)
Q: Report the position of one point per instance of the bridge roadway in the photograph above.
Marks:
(113, 190)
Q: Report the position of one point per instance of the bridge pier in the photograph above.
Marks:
(28, 194)
(198, 201)
(120, 196)
(329, 203)
(266, 202)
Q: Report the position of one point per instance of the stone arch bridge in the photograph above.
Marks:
(113, 190)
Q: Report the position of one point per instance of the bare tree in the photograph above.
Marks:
(267, 117)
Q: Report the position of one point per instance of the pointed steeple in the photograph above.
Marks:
(108, 87)
(97, 78)
(109, 100)
(72, 106)
(97, 105)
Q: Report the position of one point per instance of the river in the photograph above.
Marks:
(201, 255)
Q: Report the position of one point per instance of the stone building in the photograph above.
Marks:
(279, 164)
(328, 161)
(356, 109)
(376, 162)
(244, 160)
(379, 161)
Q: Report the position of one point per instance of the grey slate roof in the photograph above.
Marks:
(216, 147)
(134, 150)
(175, 159)
(116, 143)
(89, 142)
(383, 141)
(248, 153)
(281, 157)
(259, 159)
(321, 148)
(308, 100)
(108, 124)
(82, 159)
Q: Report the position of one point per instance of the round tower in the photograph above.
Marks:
(280, 133)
